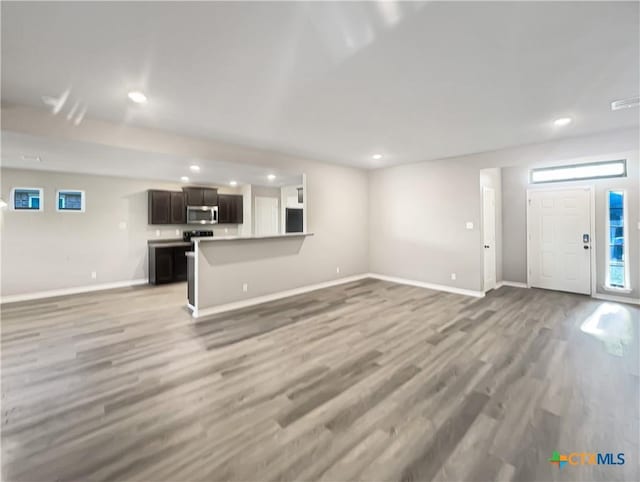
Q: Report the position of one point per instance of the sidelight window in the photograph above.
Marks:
(617, 246)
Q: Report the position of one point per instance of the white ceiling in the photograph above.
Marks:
(91, 158)
(334, 81)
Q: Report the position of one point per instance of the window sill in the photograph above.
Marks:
(617, 290)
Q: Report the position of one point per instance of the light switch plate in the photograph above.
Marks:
(469, 225)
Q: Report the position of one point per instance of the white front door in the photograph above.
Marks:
(489, 237)
(266, 216)
(559, 237)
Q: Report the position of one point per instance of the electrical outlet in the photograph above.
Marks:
(469, 225)
(177, 232)
(157, 232)
(122, 225)
(453, 276)
(94, 275)
(226, 230)
(337, 269)
(245, 287)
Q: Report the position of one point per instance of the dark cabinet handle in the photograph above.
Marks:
(487, 246)
(586, 247)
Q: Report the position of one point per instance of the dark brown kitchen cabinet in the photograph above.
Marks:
(180, 263)
(161, 264)
(167, 264)
(200, 196)
(230, 209)
(159, 207)
(178, 208)
(167, 207)
(209, 197)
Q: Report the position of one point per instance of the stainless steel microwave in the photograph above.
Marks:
(202, 214)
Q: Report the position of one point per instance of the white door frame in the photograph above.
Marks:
(592, 228)
(495, 240)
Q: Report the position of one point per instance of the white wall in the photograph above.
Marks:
(417, 218)
(51, 250)
(246, 228)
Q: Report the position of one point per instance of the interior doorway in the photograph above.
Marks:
(266, 216)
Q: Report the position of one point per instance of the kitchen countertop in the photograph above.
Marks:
(167, 243)
(244, 238)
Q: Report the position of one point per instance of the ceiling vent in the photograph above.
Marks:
(625, 103)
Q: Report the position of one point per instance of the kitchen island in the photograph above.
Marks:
(228, 272)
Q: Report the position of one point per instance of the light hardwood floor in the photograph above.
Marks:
(365, 381)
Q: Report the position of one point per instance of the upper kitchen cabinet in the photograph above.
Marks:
(200, 196)
(209, 197)
(178, 208)
(230, 209)
(159, 207)
(167, 207)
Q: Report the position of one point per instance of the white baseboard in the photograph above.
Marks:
(431, 286)
(598, 296)
(616, 298)
(274, 296)
(72, 291)
(515, 284)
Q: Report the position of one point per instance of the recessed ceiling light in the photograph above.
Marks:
(137, 97)
(184, 179)
(271, 177)
(377, 156)
(563, 121)
(625, 103)
(233, 183)
(194, 168)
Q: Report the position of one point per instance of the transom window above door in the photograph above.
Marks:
(579, 172)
